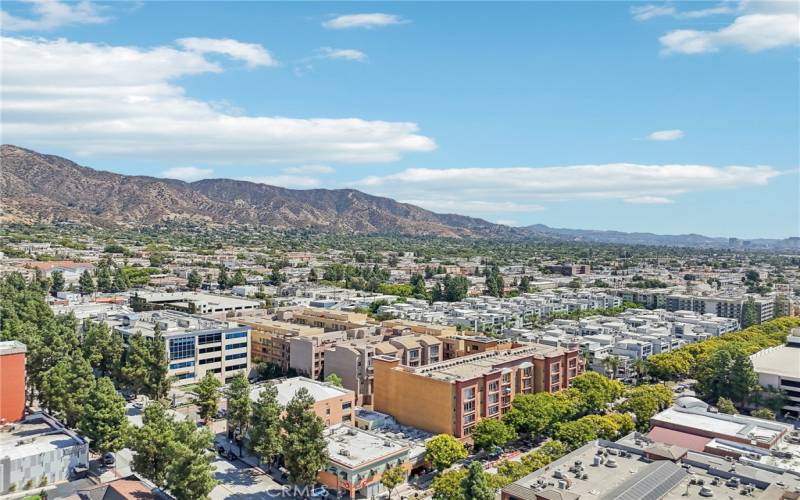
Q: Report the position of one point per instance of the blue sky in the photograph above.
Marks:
(662, 117)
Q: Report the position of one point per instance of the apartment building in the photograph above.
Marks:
(352, 360)
(456, 346)
(779, 367)
(722, 306)
(12, 381)
(270, 339)
(322, 318)
(405, 327)
(453, 396)
(195, 345)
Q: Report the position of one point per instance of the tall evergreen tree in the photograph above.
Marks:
(104, 420)
(104, 283)
(208, 396)
(265, 425)
(194, 281)
(223, 280)
(121, 282)
(189, 475)
(66, 386)
(158, 383)
(135, 371)
(475, 485)
(152, 444)
(57, 282)
(102, 348)
(305, 450)
(86, 283)
(240, 407)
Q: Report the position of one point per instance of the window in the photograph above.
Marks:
(184, 376)
(236, 367)
(347, 405)
(235, 356)
(493, 410)
(506, 378)
(493, 398)
(236, 346)
(210, 360)
(469, 418)
(434, 351)
(493, 387)
(181, 348)
(527, 372)
(209, 338)
(215, 348)
(469, 406)
(469, 393)
(413, 354)
(235, 335)
(183, 364)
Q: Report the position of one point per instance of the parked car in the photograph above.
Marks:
(109, 459)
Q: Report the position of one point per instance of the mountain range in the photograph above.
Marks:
(36, 187)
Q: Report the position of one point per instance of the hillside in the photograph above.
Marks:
(38, 187)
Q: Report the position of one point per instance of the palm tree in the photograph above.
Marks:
(641, 368)
(611, 363)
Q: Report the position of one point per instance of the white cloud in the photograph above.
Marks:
(648, 200)
(53, 14)
(121, 101)
(187, 173)
(251, 53)
(666, 135)
(287, 181)
(758, 26)
(482, 191)
(346, 54)
(650, 11)
(374, 20)
(309, 170)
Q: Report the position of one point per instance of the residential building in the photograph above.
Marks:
(270, 339)
(322, 318)
(452, 396)
(456, 346)
(400, 327)
(195, 345)
(12, 381)
(307, 352)
(779, 368)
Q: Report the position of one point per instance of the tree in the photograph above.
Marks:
(305, 450)
(104, 419)
(444, 450)
(56, 282)
(121, 282)
(238, 278)
(222, 280)
(597, 391)
(194, 280)
(611, 364)
(524, 285)
(725, 405)
(490, 433)
(208, 394)
(66, 386)
(312, 275)
(334, 379)
(418, 287)
(448, 485)
(392, 478)
(86, 283)
(576, 433)
(189, 474)
(135, 372)
(729, 373)
(152, 443)
(102, 348)
(764, 413)
(605, 427)
(104, 283)
(157, 384)
(749, 313)
(265, 425)
(240, 407)
(475, 485)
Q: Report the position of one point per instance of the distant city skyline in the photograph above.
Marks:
(667, 118)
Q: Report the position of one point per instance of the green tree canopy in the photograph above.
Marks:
(305, 450)
(491, 432)
(104, 418)
(444, 450)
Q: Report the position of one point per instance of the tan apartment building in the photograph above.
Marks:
(270, 339)
(456, 346)
(322, 318)
(453, 396)
(352, 360)
(307, 352)
(396, 327)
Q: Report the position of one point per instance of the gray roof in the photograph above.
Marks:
(651, 483)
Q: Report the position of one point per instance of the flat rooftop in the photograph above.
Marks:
(34, 435)
(9, 347)
(287, 388)
(782, 360)
(475, 365)
(740, 426)
(354, 448)
(172, 322)
(197, 297)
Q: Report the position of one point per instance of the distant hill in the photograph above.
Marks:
(38, 187)
(678, 240)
